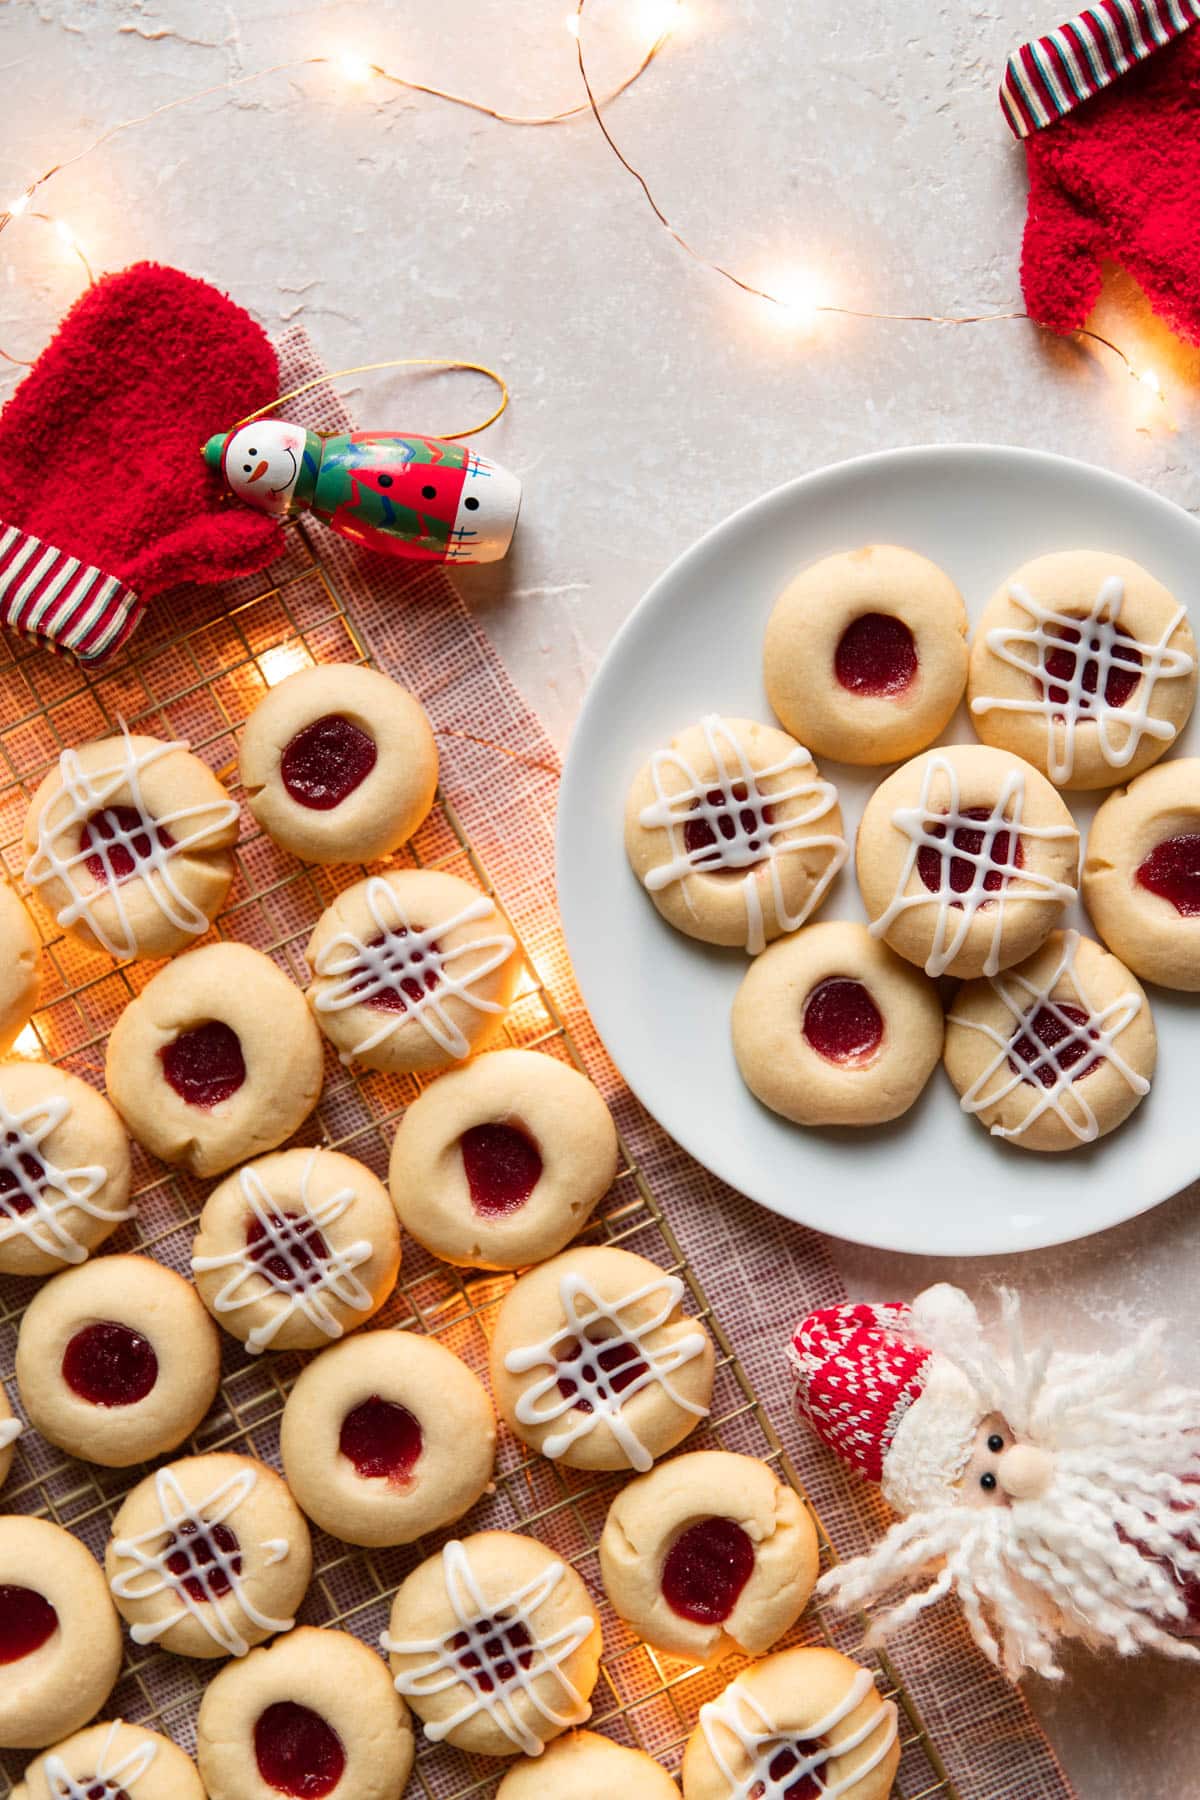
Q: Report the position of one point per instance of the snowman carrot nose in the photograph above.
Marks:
(258, 473)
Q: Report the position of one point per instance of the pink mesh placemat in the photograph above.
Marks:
(195, 670)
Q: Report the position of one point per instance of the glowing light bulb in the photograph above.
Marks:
(355, 68)
(284, 660)
(66, 236)
(572, 24)
(17, 207)
(798, 297)
(657, 17)
(1149, 379)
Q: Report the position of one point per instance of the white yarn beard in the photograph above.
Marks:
(1127, 1454)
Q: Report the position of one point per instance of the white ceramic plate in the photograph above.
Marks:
(934, 1182)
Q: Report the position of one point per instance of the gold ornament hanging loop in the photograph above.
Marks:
(395, 362)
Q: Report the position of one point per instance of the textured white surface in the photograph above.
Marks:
(649, 399)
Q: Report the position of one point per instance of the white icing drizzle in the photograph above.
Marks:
(308, 1290)
(1024, 1001)
(761, 1741)
(762, 843)
(584, 1311)
(58, 1190)
(481, 1631)
(361, 971)
(110, 1776)
(149, 1551)
(956, 912)
(86, 792)
(1099, 640)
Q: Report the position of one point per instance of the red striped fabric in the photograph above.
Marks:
(65, 605)
(1052, 75)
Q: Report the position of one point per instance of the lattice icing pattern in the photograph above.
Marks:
(600, 1355)
(413, 964)
(292, 1257)
(151, 844)
(932, 829)
(497, 1651)
(739, 815)
(1093, 1038)
(35, 1194)
(190, 1535)
(113, 1774)
(1100, 650)
(780, 1761)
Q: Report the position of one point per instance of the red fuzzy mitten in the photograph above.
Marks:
(1109, 106)
(105, 500)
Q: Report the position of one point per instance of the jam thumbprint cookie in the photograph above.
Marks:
(387, 1438)
(833, 1028)
(20, 967)
(733, 834)
(865, 656)
(966, 859)
(112, 1762)
(1141, 874)
(1084, 665)
(500, 1164)
(130, 845)
(339, 764)
(296, 1249)
(412, 971)
(801, 1722)
(586, 1766)
(1055, 1053)
(117, 1361)
(496, 1645)
(310, 1716)
(216, 1060)
(64, 1169)
(10, 1431)
(209, 1556)
(709, 1553)
(60, 1639)
(595, 1363)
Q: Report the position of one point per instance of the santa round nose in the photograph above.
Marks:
(1024, 1471)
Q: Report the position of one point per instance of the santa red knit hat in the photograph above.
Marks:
(896, 1411)
(1108, 106)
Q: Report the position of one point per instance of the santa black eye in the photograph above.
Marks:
(429, 493)
(987, 1482)
(995, 1443)
(472, 505)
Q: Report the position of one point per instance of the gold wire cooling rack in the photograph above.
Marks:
(200, 684)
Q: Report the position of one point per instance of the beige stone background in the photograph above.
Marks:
(862, 145)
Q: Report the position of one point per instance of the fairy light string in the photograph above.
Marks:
(360, 70)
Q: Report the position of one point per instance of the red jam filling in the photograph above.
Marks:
(109, 1365)
(1070, 1043)
(382, 1440)
(205, 1065)
(193, 1554)
(506, 1647)
(608, 1369)
(139, 838)
(962, 873)
(706, 1569)
(876, 656)
(297, 1752)
(326, 761)
(101, 1789)
(790, 1756)
(842, 1022)
(1172, 871)
(1123, 672)
(699, 835)
(503, 1167)
(297, 1262)
(27, 1620)
(400, 992)
(13, 1199)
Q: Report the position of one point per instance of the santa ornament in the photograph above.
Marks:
(1053, 1493)
(1107, 106)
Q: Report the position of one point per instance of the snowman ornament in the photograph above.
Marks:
(1057, 1495)
(425, 498)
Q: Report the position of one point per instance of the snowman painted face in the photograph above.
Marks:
(262, 463)
(486, 516)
